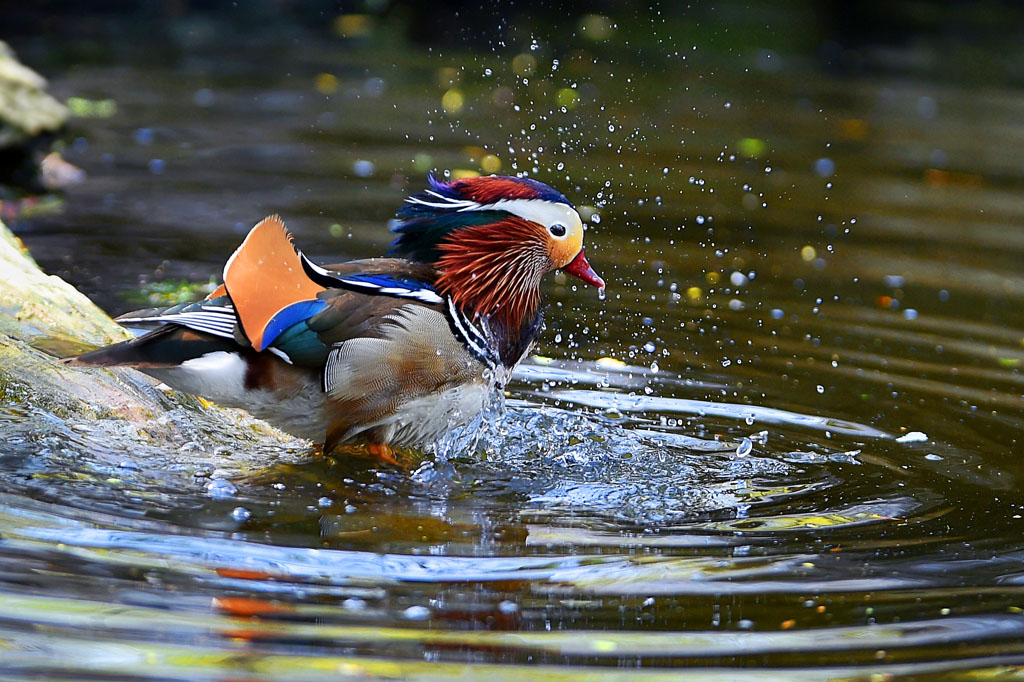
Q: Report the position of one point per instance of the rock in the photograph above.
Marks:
(26, 110)
(108, 413)
(29, 118)
(58, 174)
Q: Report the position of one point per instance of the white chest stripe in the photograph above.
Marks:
(471, 336)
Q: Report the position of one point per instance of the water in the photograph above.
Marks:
(785, 444)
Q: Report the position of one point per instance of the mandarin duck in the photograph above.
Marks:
(386, 352)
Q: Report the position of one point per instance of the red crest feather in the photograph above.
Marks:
(488, 190)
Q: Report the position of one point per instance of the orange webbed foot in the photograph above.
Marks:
(384, 453)
(378, 453)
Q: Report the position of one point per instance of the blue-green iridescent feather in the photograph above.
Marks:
(420, 231)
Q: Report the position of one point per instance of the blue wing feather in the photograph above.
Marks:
(302, 345)
(288, 317)
(388, 282)
(372, 283)
(289, 331)
(391, 285)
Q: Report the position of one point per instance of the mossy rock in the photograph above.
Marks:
(26, 109)
(115, 411)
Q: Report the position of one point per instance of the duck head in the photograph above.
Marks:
(492, 239)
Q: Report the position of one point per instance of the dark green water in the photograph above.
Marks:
(802, 461)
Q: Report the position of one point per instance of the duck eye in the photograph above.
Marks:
(557, 230)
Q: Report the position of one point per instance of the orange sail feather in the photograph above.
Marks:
(264, 276)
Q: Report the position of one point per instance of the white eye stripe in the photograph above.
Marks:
(546, 213)
(542, 212)
(444, 202)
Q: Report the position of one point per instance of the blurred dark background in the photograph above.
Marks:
(980, 41)
(781, 121)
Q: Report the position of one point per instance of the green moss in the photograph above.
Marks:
(169, 292)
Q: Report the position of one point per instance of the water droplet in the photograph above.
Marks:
(913, 437)
(650, 347)
(761, 437)
(927, 106)
(825, 167)
(416, 613)
(324, 502)
(221, 489)
(374, 87)
(354, 604)
(820, 388)
(240, 514)
(203, 97)
(143, 136)
(744, 448)
(363, 168)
